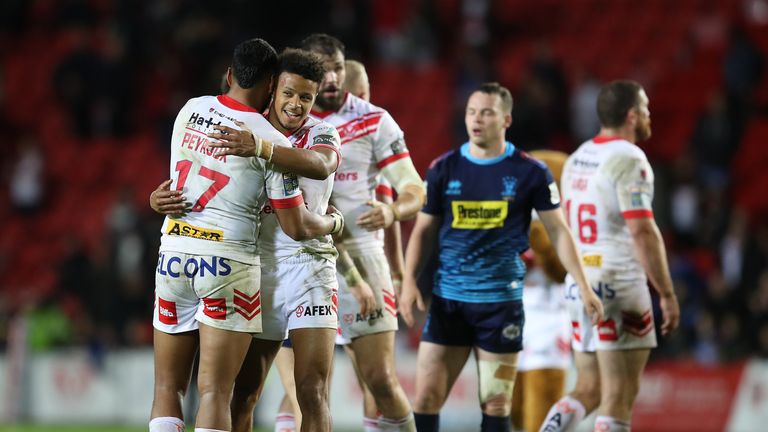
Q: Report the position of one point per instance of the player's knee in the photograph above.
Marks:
(311, 392)
(245, 398)
(497, 382)
(381, 382)
(587, 391)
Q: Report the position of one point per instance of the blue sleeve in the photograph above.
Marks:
(546, 196)
(434, 204)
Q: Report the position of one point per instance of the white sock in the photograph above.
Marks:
(371, 424)
(564, 416)
(208, 430)
(166, 424)
(285, 422)
(405, 424)
(610, 424)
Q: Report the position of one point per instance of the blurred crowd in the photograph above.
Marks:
(129, 65)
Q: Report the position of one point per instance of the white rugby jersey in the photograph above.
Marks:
(606, 181)
(370, 140)
(227, 191)
(274, 244)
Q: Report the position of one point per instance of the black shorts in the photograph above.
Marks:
(494, 327)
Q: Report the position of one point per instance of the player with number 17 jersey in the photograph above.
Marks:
(208, 269)
(606, 181)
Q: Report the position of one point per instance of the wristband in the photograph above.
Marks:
(258, 147)
(338, 223)
(352, 277)
(395, 211)
(271, 152)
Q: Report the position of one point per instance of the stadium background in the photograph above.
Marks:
(89, 89)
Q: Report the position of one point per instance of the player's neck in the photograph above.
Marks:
(248, 97)
(624, 133)
(487, 150)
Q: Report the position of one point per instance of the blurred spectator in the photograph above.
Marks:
(732, 248)
(584, 121)
(742, 70)
(27, 188)
(713, 144)
(685, 203)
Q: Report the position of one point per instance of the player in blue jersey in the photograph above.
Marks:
(479, 203)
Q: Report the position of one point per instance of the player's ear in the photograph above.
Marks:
(229, 77)
(631, 118)
(507, 121)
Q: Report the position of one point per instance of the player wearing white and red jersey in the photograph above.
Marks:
(607, 190)
(372, 143)
(208, 269)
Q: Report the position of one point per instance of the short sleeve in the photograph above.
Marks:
(634, 188)
(546, 195)
(282, 187)
(325, 135)
(388, 139)
(434, 204)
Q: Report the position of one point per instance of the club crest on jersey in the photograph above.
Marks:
(290, 183)
(509, 185)
(454, 187)
(324, 139)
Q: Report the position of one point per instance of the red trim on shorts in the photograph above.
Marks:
(233, 104)
(338, 153)
(166, 311)
(600, 139)
(385, 190)
(286, 203)
(637, 214)
(396, 157)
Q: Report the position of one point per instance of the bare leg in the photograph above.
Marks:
(250, 382)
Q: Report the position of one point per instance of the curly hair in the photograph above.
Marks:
(303, 63)
(252, 61)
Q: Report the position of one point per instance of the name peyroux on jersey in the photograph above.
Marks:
(606, 181)
(273, 242)
(227, 192)
(371, 140)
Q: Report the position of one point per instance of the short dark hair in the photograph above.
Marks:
(322, 43)
(615, 100)
(306, 64)
(252, 61)
(497, 89)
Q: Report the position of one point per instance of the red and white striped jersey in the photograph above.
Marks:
(227, 192)
(274, 244)
(370, 140)
(606, 181)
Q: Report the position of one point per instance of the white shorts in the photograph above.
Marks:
(218, 292)
(298, 292)
(375, 270)
(628, 322)
(547, 329)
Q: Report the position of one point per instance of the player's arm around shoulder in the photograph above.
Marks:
(316, 165)
(653, 257)
(422, 243)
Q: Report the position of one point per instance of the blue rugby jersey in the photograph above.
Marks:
(485, 205)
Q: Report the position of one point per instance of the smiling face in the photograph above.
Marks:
(485, 119)
(292, 102)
